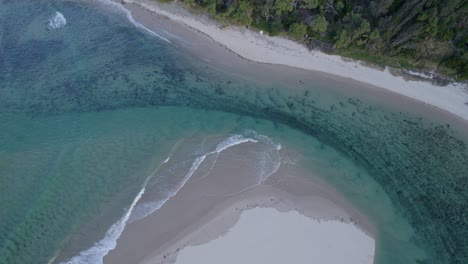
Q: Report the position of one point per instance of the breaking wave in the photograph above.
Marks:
(96, 253)
(148, 208)
(57, 21)
(128, 14)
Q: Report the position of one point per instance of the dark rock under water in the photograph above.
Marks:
(98, 62)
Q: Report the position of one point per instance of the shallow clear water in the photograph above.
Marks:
(90, 109)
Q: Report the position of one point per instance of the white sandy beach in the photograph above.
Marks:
(287, 218)
(265, 235)
(214, 218)
(277, 50)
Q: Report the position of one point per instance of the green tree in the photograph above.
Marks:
(356, 26)
(240, 12)
(379, 7)
(310, 4)
(423, 33)
(342, 39)
(283, 6)
(297, 30)
(211, 6)
(190, 3)
(319, 24)
(374, 35)
(276, 27)
(266, 8)
(339, 5)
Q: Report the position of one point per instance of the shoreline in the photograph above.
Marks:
(211, 203)
(257, 48)
(150, 222)
(367, 152)
(263, 235)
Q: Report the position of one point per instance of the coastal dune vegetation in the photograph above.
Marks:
(415, 34)
(94, 105)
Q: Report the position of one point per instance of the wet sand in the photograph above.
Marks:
(260, 48)
(213, 199)
(218, 57)
(265, 235)
(207, 207)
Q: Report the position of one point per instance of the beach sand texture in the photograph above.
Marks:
(277, 50)
(268, 236)
(147, 150)
(226, 187)
(188, 220)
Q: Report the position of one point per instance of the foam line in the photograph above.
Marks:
(96, 253)
(129, 16)
(230, 142)
(57, 21)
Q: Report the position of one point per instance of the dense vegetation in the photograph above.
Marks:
(424, 34)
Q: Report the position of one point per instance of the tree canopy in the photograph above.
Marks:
(426, 34)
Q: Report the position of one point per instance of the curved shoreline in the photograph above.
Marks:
(204, 211)
(280, 51)
(262, 235)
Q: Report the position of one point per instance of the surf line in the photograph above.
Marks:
(225, 144)
(96, 253)
(230, 142)
(129, 16)
(261, 178)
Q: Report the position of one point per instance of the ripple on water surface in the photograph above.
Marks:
(69, 158)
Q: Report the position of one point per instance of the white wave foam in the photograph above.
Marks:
(231, 142)
(148, 208)
(145, 209)
(96, 253)
(265, 173)
(57, 21)
(254, 134)
(264, 176)
(128, 14)
(184, 41)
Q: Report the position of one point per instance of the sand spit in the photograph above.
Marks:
(207, 208)
(268, 236)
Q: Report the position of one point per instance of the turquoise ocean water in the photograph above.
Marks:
(90, 108)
